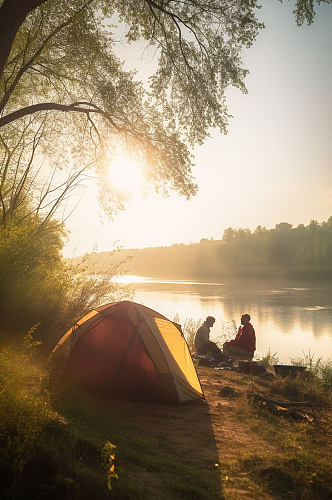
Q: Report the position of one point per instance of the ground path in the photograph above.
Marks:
(219, 448)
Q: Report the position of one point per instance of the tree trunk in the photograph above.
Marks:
(12, 15)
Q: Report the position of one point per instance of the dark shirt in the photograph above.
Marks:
(202, 335)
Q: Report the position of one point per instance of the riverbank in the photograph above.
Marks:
(222, 447)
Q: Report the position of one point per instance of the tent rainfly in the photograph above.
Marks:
(129, 351)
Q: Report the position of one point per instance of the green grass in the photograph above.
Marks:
(314, 385)
(306, 387)
(296, 463)
(269, 359)
(66, 445)
(295, 476)
(317, 367)
(60, 446)
(299, 476)
(42, 456)
(146, 465)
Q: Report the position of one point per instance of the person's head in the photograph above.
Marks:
(245, 318)
(210, 321)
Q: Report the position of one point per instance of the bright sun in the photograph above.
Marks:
(126, 174)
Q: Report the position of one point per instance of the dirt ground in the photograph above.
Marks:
(204, 438)
(233, 437)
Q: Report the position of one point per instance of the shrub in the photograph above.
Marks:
(190, 327)
(37, 286)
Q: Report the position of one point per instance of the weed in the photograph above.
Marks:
(325, 374)
(269, 359)
(108, 459)
(190, 327)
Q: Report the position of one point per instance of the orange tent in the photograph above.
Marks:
(129, 351)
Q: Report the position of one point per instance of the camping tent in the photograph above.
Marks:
(129, 351)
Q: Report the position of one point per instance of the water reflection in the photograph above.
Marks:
(289, 319)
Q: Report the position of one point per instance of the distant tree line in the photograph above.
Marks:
(303, 252)
(284, 246)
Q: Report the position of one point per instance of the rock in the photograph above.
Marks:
(228, 392)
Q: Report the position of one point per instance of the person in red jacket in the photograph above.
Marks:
(244, 344)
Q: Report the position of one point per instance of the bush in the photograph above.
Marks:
(229, 331)
(37, 286)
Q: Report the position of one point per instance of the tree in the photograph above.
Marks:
(229, 235)
(57, 64)
(57, 58)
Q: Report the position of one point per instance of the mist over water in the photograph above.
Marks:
(289, 318)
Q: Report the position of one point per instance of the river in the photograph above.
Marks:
(291, 320)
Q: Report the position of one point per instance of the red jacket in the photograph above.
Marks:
(245, 338)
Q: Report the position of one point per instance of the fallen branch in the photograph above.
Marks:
(298, 410)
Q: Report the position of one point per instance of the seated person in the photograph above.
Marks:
(244, 344)
(203, 345)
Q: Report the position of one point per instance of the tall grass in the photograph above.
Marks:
(42, 453)
(228, 332)
(189, 328)
(269, 359)
(25, 410)
(314, 385)
(302, 388)
(317, 366)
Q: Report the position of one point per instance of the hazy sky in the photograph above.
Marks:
(275, 163)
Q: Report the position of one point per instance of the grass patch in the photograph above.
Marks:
(291, 458)
(61, 446)
(314, 385)
(42, 456)
(287, 434)
(298, 476)
(147, 465)
(317, 367)
(306, 387)
(269, 359)
(302, 475)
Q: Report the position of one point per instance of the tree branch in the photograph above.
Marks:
(25, 66)
(49, 106)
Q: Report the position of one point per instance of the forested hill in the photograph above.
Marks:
(284, 251)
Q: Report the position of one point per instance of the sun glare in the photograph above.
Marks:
(126, 174)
